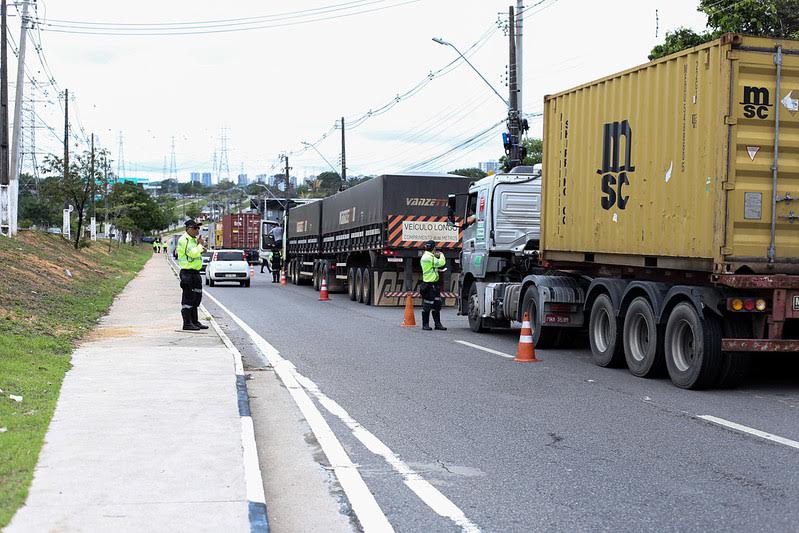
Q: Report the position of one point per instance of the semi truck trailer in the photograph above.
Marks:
(668, 217)
(367, 240)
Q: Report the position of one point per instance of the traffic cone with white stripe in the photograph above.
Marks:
(282, 277)
(525, 353)
(409, 320)
(252, 272)
(323, 296)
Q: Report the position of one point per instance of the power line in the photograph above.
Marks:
(198, 30)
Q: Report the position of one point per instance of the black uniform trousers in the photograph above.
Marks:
(431, 301)
(191, 282)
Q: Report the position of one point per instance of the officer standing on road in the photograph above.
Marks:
(190, 259)
(432, 261)
(275, 266)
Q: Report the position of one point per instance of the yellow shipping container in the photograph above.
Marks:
(669, 164)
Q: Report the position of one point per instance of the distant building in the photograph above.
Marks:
(242, 179)
(489, 166)
(293, 182)
(206, 179)
(262, 178)
(196, 177)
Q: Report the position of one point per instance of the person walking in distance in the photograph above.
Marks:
(276, 264)
(190, 260)
(156, 246)
(432, 261)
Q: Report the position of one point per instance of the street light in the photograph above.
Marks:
(341, 185)
(439, 40)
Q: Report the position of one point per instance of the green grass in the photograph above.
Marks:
(43, 313)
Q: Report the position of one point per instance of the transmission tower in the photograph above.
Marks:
(121, 158)
(173, 166)
(224, 164)
(29, 167)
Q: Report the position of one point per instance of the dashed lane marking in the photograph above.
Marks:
(483, 348)
(750, 431)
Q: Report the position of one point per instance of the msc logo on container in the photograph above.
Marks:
(614, 176)
(756, 101)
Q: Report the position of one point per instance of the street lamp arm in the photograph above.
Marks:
(320, 155)
(447, 43)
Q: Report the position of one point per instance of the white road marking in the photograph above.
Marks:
(361, 499)
(489, 350)
(751, 431)
(426, 492)
(252, 469)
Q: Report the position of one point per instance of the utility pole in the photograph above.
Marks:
(5, 179)
(17, 131)
(105, 199)
(519, 55)
(93, 219)
(287, 184)
(343, 158)
(286, 209)
(66, 134)
(513, 110)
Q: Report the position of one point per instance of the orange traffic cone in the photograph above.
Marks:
(526, 351)
(282, 277)
(409, 320)
(252, 271)
(323, 296)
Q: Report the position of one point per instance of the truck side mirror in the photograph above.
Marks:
(451, 203)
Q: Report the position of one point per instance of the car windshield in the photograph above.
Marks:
(229, 256)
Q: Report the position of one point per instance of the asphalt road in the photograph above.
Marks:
(559, 445)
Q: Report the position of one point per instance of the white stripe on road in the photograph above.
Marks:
(345, 470)
(426, 492)
(489, 350)
(361, 499)
(751, 431)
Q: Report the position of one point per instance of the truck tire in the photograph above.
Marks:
(643, 343)
(366, 289)
(735, 366)
(473, 311)
(543, 336)
(693, 347)
(359, 285)
(604, 334)
(351, 283)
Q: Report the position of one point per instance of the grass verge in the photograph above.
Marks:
(50, 296)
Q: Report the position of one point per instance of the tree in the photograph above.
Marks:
(77, 186)
(475, 173)
(764, 18)
(136, 211)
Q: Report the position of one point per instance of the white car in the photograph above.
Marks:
(228, 265)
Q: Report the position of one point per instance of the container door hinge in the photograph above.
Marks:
(730, 121)
(732, 55)
(728, 185)
(725, 250)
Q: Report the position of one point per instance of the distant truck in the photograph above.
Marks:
(242, 231)
(664, 222)
(367, 240)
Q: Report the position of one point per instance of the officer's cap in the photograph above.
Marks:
(191, 223)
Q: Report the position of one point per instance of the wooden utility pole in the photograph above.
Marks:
(66, 134)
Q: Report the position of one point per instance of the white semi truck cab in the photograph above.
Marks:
(499, 258)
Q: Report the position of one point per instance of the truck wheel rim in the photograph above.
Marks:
(639, 337)
(474, 307)
(602, 331)
(683, 346)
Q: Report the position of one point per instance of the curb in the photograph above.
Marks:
(256, 500)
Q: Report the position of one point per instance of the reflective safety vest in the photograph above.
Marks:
(155, 246)
(190, 254)
(430, 265)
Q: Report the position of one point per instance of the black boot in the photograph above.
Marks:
(196, 320)
(188, 325)
(426, 320)
(437, 320)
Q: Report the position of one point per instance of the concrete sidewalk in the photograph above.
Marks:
(146, 435)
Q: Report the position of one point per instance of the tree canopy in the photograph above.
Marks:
(765, 18)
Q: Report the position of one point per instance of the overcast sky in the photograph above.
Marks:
(275, 87)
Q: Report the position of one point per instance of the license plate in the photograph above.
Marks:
(796, 303)
(557, 319)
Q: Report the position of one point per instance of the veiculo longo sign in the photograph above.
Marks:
(441, 231)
